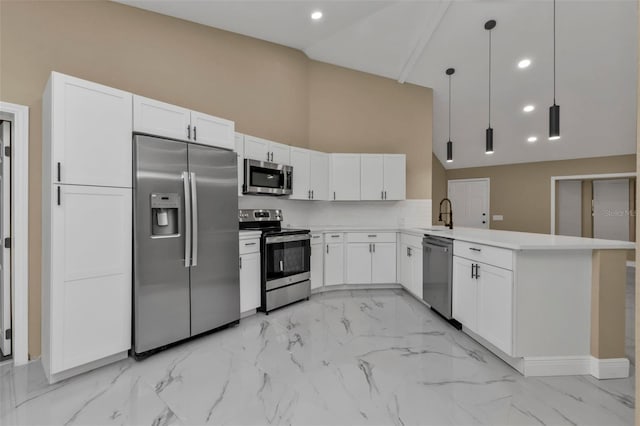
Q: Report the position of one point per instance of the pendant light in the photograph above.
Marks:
(554, 110)
(450, 72)
(489, 25)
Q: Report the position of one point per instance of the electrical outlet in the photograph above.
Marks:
(498, 218)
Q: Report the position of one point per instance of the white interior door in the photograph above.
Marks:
(611, 209)
(570, 208)
(470, 202)
(5, 232)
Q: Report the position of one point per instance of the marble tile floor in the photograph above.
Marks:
(342, 358)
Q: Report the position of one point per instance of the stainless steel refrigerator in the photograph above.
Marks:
(186, 271)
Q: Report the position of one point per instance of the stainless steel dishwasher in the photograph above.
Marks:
(437, 270)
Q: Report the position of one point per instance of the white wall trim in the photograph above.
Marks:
(610, 368)
(20, 229)
(554, 179)
(631, 263)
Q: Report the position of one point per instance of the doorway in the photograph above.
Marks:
(470, 202)
(6, 315)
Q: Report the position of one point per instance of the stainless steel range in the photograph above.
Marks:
(285, 258)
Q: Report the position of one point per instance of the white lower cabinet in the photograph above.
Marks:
(317, 261)
(483, 301)
(87, 267)
(359, 263)
(333, 260)
(371, 258)
(411, 269)
(383, 263)
(249, 274)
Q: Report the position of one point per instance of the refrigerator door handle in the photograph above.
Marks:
(187, 219)
(194, 215)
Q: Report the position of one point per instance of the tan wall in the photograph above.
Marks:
(263, 87)
(356, 112)
(521, 192)
(438, 187)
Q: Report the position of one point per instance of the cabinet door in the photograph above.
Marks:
(345, 177)
(395, 176)
(301, 171)
(249, 281)
(161, 119)
(334, 264)
(256, 148)
(212, 131)
(383, 266)
(91, 133)
(359, 263)
(465, 294)
(371, 177)
(416, 271)
(317, 265)
(90, 274)
(239, 148)
(280, 153)
(495, 306)
(318, 175)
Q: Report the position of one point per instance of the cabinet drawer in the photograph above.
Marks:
(334, 237)
(316, 238)
(249, 246)
(502, 258)
(371, 237)
(411, 240)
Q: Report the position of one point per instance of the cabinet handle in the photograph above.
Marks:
(374, 247)
(195, 135)
(309, 194)
(334, 195)
(385, 195)
(335, 236)
(382, 195)
(369, 247)
(312, 196)
(409, 251)
(372, 236)
(327, 248)
(477, 271)
(249, 244)
(475, 249)
(473, 265)
(267, 155)
(59, 172)
(241, 263)
(188, 131)
(58, 195)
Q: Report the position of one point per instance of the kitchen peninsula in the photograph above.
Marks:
(546, 304)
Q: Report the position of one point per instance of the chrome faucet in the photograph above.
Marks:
(449, 214)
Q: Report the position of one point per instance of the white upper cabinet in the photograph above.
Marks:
(319, 175)
(344, 177)
(212, 131)
(383, 177)
(89, 127)
(310, 174)
(265, 150)
(161, 119)
(395, 176)
(300, 160)
(239, 148)
(372, 177)
(171, 121)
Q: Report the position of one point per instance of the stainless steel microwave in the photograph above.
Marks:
(264, 178)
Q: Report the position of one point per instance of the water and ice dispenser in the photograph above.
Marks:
(165, 215)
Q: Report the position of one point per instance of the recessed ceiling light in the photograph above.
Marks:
(528, 108)
(316, 15)
(524, 63)
(532, 139)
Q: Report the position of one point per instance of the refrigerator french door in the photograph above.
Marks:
(186, 271)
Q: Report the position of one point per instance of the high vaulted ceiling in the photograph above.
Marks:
(416, 41)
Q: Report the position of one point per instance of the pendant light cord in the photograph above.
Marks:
(489, 78)
(449, 107)
(554, 52)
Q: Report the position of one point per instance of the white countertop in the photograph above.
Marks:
(505, 239)
(526, 240)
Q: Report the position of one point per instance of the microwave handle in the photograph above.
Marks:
(287, 180)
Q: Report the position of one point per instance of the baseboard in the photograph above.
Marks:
(631, 263)
(55, 378)
(609, 368)
(556, 366)
(248, 313)
(349, 287)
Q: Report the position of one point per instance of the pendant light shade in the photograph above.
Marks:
(554, 110)
(450, 72)
(489, 25)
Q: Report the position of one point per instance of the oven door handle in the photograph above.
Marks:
(287, 238)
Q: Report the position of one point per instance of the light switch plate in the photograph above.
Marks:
(498, 217)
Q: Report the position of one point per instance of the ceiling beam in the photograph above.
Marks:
(432, 22)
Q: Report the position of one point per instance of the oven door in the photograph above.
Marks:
(287, 260)
(261, 177)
